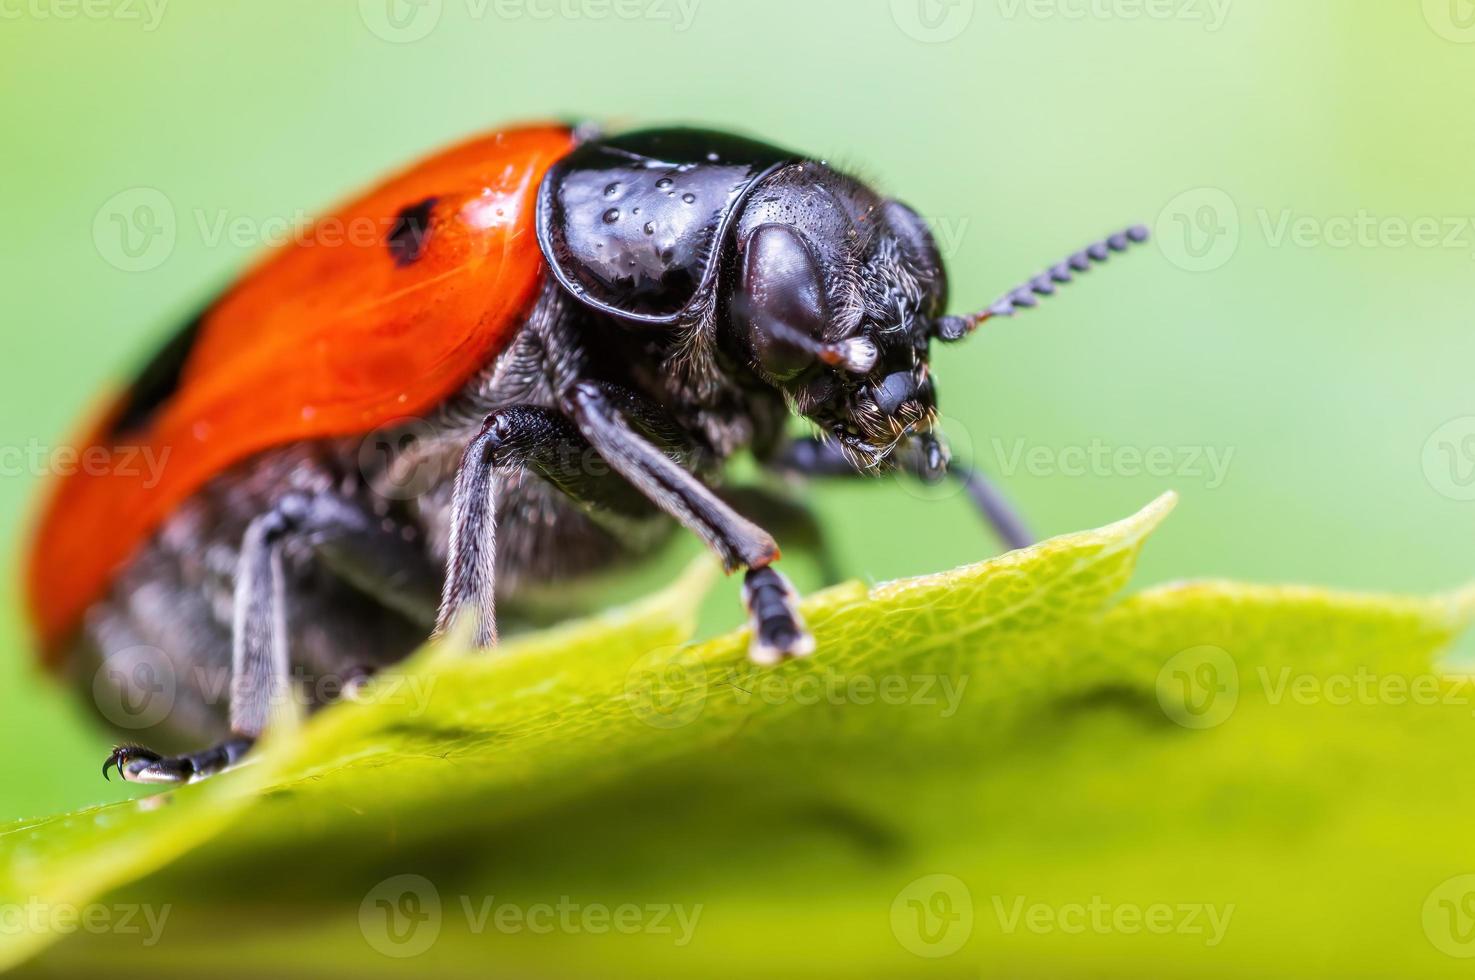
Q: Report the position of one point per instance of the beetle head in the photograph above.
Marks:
(838, 296)
(835, 300)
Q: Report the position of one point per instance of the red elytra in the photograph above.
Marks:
(329, 336)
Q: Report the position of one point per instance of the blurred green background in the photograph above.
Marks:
(1304, 316)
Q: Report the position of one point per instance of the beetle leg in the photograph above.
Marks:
(140, 765)
(353, 545)
(471, 575)
(547, 444)
(791, 520)
(604, 414)
(822, 458)
(995, 508)
(259, 667)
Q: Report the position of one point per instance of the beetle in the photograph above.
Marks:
(571, 333)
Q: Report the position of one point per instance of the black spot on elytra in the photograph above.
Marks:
(158, 381)
(410, 232)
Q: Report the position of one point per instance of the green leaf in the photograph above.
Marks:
(1004, 726)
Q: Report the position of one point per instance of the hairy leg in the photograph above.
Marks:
(542, 442)
(338, 533)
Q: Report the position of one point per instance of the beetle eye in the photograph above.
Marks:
(782, 300)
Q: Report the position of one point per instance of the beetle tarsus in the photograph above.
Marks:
(778, 628)
(136, 764)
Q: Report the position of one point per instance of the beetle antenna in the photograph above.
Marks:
(953, 328)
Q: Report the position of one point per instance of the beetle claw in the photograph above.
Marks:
(137, 764)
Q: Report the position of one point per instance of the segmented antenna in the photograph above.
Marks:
(952, 328)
